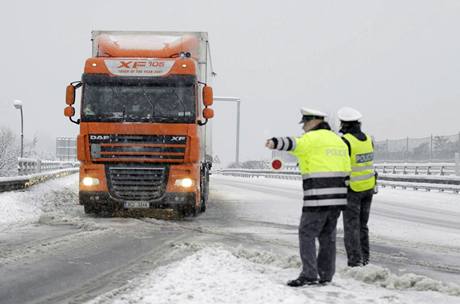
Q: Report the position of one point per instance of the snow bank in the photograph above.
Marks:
(218, 275)
(382, 277)
(209, 276)
(15, 208)
(371, 274)
(27, 206)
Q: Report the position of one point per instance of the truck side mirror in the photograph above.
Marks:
(208, 97)
(70, 95)
(208, 113)
(69, 111)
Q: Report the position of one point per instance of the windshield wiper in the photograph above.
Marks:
(180, 100)
(124, 113)
(150, 102)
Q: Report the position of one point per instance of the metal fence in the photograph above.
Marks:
(426, 182)
(25, 181)
(441, 169)
(427, 149)
(433, 148)
(33, 171)
(31, 165)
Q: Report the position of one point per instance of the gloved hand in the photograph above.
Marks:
(270, 144)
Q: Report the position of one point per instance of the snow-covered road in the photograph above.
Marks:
(242, 250)
(410, 230)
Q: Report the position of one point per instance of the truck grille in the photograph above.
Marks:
(132, 183)
(138, 148)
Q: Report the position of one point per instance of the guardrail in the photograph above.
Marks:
(34, 171)
(404, 181)
(419, 186)
(407, 168)
(24, 181)
(30, 165)
(418, 168)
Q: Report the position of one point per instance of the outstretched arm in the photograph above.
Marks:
(281, 143)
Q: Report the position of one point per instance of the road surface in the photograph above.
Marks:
(66, 256)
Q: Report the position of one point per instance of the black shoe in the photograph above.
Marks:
(355, 264)
(301, 281)
(324, 282)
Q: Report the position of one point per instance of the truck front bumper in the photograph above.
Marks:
(182, 202)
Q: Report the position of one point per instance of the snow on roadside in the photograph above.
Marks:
(216, 275)
(27, 206)
(382, 277)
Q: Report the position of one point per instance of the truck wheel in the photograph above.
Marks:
(88, 208)
(98, 210)
(105, 210)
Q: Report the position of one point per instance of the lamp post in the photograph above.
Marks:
(18, 105)
(238, 101)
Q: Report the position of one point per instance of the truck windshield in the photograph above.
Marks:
(138, 103)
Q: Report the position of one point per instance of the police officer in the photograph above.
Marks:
(325, 166)
(361, 188)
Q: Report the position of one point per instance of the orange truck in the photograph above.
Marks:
(144, 143)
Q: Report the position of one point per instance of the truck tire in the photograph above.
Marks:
(100, 210)
(88, 209)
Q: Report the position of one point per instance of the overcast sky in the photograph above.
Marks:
(398, 62)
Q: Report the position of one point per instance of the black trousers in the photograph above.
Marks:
(356, 232)
(319, 225)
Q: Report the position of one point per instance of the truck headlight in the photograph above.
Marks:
(90, 181)
(184, 182)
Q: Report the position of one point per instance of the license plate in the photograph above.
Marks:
(137, 205)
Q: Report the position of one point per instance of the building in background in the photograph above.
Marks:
(66, 148)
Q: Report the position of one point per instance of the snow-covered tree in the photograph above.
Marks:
(30, 148)
(9, 153)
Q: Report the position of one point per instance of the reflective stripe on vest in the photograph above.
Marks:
(360, 169)
(354, 178)
(325, 174)
(325, 191)
(362, 155)
(325, 202)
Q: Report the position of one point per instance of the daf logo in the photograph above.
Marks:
(178, 138)
(99, 137)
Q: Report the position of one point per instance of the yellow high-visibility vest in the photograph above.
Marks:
(362, 163)
(324, 164)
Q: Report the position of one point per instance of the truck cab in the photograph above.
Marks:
(144, 143)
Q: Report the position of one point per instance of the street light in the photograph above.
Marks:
(238, 101)
(18, 105)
